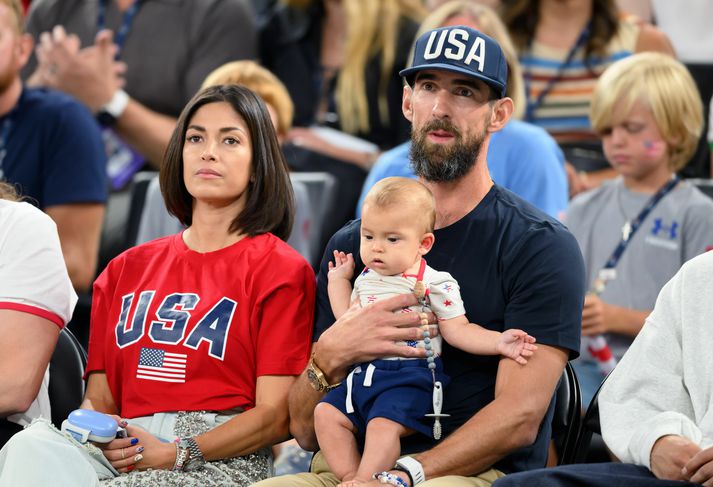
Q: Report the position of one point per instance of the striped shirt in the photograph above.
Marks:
(564, 111)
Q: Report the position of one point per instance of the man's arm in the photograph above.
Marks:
(147, 131)
(360, 335)
(646, 410)
(28, 341)
(511, 421)
(79, 229)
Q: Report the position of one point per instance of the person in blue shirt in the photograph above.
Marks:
(51, 149)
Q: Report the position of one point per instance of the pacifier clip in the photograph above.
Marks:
(420, 291)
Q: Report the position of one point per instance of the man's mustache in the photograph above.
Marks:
(440, 124)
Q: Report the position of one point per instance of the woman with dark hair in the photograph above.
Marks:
(196, 337)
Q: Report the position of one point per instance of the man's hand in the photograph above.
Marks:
(517, 345)
(91, 74)
(699, 469)
(342, 267)
(369, 333)
(670, 455)
(309, 139)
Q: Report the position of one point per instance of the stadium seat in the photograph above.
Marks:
(567, 416)
(66, 387)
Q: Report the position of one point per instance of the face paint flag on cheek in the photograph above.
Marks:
(654, 148)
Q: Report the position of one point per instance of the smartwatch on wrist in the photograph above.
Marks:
(413, 468)
(195, 459)
(317, 379)
(110, 113)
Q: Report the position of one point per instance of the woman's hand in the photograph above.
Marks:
(156, 454)
(139, 450)
(122, 453)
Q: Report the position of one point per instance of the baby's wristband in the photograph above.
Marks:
(389, 478)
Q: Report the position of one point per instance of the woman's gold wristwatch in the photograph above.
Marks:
(316, 377)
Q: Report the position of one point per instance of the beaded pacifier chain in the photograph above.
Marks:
(420, 291)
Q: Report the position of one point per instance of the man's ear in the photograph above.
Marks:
(24, 46)
(406, 103)
(502, 111)
(426, 243)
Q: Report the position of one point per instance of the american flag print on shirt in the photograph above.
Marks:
(157, 364)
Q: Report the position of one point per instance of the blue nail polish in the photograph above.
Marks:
(134, 441)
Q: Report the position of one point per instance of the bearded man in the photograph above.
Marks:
(516, 267)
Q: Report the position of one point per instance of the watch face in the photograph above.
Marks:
(314, 380)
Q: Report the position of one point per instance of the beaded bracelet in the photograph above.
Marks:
(389, 478)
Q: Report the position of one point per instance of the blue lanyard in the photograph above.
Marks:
(4, 136)
(608, 269)
(527, 76)
(120, 37)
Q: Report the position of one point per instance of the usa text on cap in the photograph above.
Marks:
(460, 49)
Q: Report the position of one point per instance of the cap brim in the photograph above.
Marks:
(410, 73)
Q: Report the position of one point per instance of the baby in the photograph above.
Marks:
(387, 399)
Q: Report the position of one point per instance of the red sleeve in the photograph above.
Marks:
(285, 322)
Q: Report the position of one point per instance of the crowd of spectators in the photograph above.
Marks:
(585, 202)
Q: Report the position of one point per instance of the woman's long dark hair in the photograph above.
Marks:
(521, 18)
(270, 203)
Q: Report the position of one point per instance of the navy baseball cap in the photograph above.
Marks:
(460, 49)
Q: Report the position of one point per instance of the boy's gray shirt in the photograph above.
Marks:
(678, 228)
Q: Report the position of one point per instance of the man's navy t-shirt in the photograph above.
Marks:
(55, 153)
(517, 268)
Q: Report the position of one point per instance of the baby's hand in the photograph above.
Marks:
(517, 345)
(342, 267)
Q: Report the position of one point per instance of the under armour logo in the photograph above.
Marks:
(659, 226)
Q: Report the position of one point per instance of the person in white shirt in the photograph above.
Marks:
(655, 407)
(36, 302)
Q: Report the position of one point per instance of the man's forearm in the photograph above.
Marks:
(472, 448)
(148, 132)
(302, 401)
(510, 422)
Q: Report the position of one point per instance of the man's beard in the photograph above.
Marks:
(441, 163)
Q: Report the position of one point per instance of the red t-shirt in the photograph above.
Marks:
(176, 330)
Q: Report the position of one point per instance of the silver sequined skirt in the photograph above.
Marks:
(234, 472)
